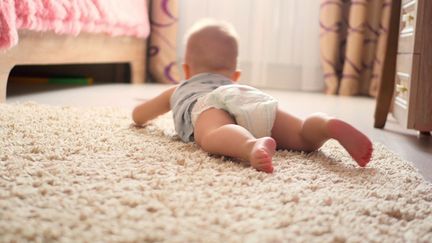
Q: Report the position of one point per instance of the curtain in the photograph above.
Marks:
(353, 44)
(279, 39)
(162, 45)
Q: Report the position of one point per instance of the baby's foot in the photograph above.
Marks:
(262, 153)
(355, 142)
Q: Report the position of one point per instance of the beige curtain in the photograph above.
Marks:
(162, 60)
(353, 35)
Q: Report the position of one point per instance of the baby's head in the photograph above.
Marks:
(211, 47)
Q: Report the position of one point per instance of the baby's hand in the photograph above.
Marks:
(134, 125)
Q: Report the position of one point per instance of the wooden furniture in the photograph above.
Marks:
(412, 83)
(36, 48)
(386, 87)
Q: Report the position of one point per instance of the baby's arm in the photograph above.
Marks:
(153, 108)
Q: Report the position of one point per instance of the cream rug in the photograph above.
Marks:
(74, 174)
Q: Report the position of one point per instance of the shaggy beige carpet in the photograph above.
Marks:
(86, 174)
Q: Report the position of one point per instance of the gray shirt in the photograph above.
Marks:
(185, 96)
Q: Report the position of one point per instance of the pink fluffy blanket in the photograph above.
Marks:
(114, 17)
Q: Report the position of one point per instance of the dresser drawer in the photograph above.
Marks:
(402, 87)
(407, 1)
(408, 21)
(405, 92)
(412, 100)
(404, 64)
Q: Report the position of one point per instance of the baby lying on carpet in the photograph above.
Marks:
(239, 121)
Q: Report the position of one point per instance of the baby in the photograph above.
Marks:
(239, 121)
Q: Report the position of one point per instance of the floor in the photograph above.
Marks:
(359, 111)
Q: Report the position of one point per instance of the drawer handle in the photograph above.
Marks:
(407, 18)
(400, 88)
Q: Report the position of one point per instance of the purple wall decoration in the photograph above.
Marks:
(162, 51)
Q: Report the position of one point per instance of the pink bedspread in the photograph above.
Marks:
(114, 17)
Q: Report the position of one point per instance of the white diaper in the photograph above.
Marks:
(251, 108)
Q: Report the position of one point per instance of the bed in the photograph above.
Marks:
(39, 32)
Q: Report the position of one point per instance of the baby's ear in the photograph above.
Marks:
(186, 70)
(236, 75)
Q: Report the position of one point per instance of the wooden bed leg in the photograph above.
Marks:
(4, 75)
(138, 72)
(3, 85)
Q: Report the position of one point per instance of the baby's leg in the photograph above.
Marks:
(287, 131)
(310, 134)
(355, 142)
(216, 132)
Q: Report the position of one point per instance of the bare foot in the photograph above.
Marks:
(355, 142)
(262, 153)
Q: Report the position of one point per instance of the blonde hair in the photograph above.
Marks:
(211, 45)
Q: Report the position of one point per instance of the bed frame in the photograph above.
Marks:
(40, 48)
